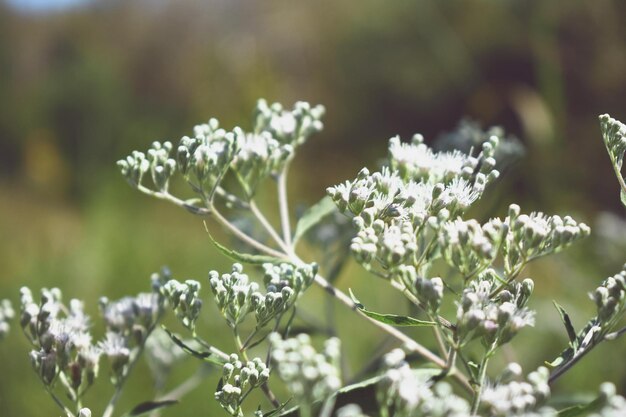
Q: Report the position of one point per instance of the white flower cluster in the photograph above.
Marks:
(411, 394)
(416, 161)
(535, 235)
(386, 196)
(518, 399)
(204, 158)
(60, 338)
(237, 379)
(309, 375)
(420, 189)
(495, 319)
(469, 247)
(183, 298)
(6, 314)
(614, 135)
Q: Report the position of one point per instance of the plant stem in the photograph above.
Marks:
(283, 205)
(269, 228)
(482, 373)
(59, 403)
(244, 237)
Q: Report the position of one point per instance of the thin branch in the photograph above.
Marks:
(283, 206)
(269, 228)
(244, 237)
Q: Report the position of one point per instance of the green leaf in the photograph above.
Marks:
(148, 406)
(392, 319)
(205, 356)
(244, 258)
(313, 216)
(581, 409)
(571, 333)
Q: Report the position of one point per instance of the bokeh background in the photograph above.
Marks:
(83, 83)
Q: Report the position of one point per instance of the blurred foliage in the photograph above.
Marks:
(81, 88)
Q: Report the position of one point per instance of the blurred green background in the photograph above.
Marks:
(84, 83)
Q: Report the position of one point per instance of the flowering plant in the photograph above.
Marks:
(406, 225)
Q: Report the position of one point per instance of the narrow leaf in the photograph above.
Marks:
(278, 410)
(392, 319)
(205, 356)
(244, 258)
(581, 409)
(571, 333)
(313, 216)
(148, 406)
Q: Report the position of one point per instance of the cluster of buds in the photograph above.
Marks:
(469, 247)
(519, 398)
(409, 393)
(614, 136)
(259, 155)
(416, 161)
(60, 338)
(238, 379)
(291, 127)
(308, 375)
(236, 296)
(233, 293)
(183, 298)
(429, 291)
(298, 278)
(204, 157)
(495, 319)
(535, 235)
(6, 314)
(157, 161)
(610, 298)
(391, 244)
